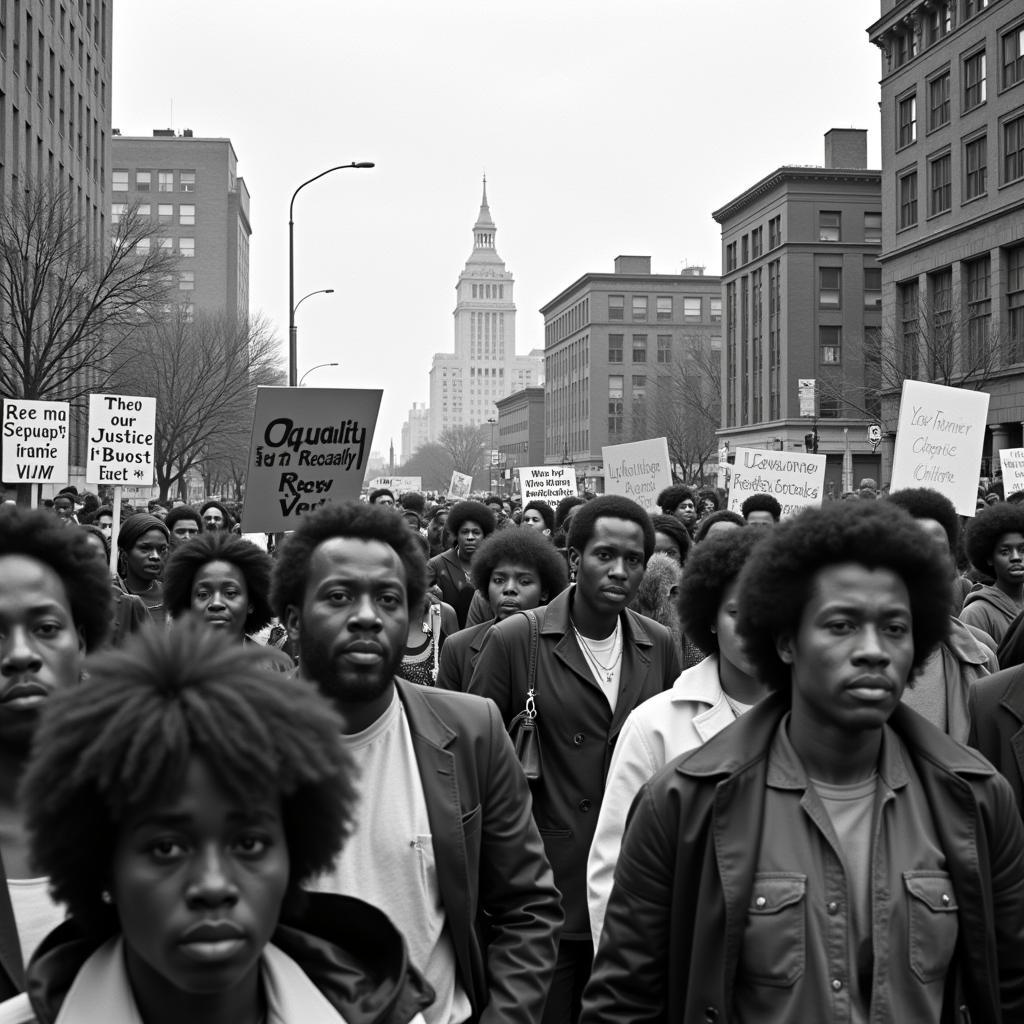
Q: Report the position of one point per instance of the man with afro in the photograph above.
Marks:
(995, 546)
(831, 855)
(761, 510)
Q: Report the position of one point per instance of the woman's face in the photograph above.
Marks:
(220, 597)
(665, 545)
(535, 521)
(147, 555)
(198, 881)
(730, 647)
(470, 535)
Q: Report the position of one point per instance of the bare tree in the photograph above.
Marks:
(467, 446)
(433, 464)
(203, 373)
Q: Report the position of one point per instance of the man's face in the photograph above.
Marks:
(435, 528)
(611, 566)
(760, 519)
(514, 587)
(41, 650)
(852, 652)
(1008, 560)
(213, 519)
(105, 522)
(63, 508)
(384, 499)
(686, 512)
(183, 531)
(354, 620)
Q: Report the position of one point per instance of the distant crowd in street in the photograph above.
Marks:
(435, 762)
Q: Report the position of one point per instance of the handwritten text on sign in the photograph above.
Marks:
(547, 483)
(939, 440)
(1011, 461)
(795, 481)
(120, 440)
(308, 448)
(639, 470)
(35, 441)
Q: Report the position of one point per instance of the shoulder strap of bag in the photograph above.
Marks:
(531, 674)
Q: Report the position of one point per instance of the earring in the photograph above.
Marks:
(106, 897)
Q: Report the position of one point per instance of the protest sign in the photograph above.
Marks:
(547, 483)
(120, 440)
(461, 485)
(396, 484)
(309, 447)
(794, 480)
(939, 440)
(35, 441)
(639, 470)
(1011, 460)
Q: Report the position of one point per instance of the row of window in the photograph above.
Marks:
(186, 246)
(830, 287)
(164, 213)
(830, 229)
(639, 348)
(164, 182)
(974, 173)
(752, 244)
(480, 291)
(940, 17)
(693, 308)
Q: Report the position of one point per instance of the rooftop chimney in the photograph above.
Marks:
(632, 264)
(163, 133)
(846, 148)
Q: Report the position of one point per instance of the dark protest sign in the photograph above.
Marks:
(309, 447)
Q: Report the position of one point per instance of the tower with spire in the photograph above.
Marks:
(465, 384)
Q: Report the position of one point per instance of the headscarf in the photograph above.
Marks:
(135, 526)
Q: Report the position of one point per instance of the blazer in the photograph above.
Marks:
(459, 655)
(576, 726)
(502, 908)
(997, 725)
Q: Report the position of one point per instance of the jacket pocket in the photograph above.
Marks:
(932, 923)
(774, 940)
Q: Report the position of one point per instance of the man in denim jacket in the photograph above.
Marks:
(831, 855)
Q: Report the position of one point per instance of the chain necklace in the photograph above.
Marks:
(607, 670)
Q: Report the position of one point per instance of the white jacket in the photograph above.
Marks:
(673, 722)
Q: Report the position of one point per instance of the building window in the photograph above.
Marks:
(165, 245)
(872, 287)
(974, 80)
(715, 310)
(979, 311)
(616, 307)
(119, 182)
(144, 210)
(938, 102)
(639, 348)
(908, 200)
(830, 341)
(775, 232)
(829, 223)
(187, 181)
(939, 187)
(940, 21)
(615, 411)
(1013, 56)
(976, 167)
(730, 256)
(639, 307)
(906, 118)
(756, 242)
(165, 213)
(745, 249)
(873, 228)
(165, 181)
(639, 387)
(910, 321)
(830, 283)
(187, 247)
(942, 344)
(186, 214)
(117, 212)
(615, 348)
(142, 247)
(143, 180)
(664, 348)
(1015, 304)
(691, 308)
(664, 307)
(1013, 149)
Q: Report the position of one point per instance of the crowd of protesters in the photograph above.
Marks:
(433, 762)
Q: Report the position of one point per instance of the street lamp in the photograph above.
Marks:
(312, 368)
(319, 291)
(490, 471)
(292, 338)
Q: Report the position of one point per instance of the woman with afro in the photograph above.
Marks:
(469, 522)
(995, 546)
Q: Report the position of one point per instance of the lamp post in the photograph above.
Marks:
(319, 291)
(292, 337)
(490, 470)
(311, 369)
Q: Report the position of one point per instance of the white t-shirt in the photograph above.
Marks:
(389, 859)
(602, 652)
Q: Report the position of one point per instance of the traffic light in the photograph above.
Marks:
(811, 442)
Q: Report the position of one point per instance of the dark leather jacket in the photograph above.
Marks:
(675, 920)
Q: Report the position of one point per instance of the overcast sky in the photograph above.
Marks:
(603, 127)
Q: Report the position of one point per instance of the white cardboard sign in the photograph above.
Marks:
(1011, 460)
(121, 440)
(939, 441)
(461, 485)
(640, 470)
(397, 484)
(795, 480)
(35, 441)
(547, 483)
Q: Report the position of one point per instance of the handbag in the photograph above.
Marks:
(523, 728)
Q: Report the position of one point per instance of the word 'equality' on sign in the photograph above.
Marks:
(120, 440)
(35, 441)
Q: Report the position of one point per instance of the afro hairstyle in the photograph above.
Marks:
(355, 519)
(672, 497)
(723, 515)
(925, 503)
(985, 529)
(521, 547)
(712, 568)
(609, 506)
(463, 512)
(761, 503)
(186, 561)
(672, 527)
(547, 513)
(123, 743)
(71, 555)
(708, 494)
(564, 507)
(415, 502)
(176, 515)
(777, 581)
(655, 597)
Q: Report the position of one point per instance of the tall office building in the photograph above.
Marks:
(192, 189)
(465, 384)
(952, 103)
(415, 430)
(802, 294)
